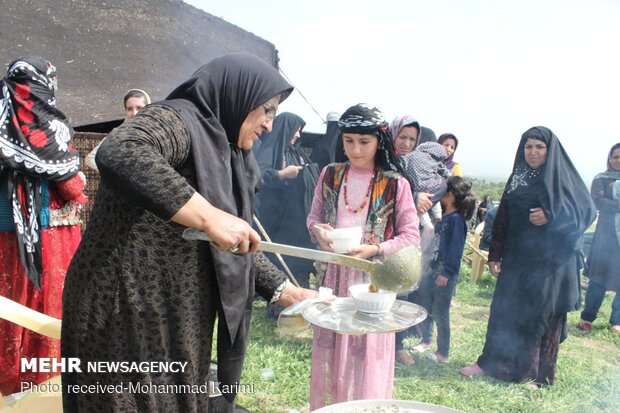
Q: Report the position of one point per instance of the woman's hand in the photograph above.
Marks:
(72, 189)
(441, 281)
(231, 233)
(227, 231)
(365, 251)
(424, 202)
(292, 295)
(319, 232)
(495, 267)
(290, 172)
(537, 216)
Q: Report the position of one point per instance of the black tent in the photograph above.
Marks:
(102, 49)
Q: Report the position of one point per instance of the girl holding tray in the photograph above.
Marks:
(369, 191)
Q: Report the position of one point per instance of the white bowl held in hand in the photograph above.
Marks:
(343, 239)
(367, 302)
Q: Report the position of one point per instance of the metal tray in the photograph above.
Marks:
(341, 316)
(386, 406)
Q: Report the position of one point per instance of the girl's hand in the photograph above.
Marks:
(325, 243)
(537, 216)
(441, 281)
(495, 267)
(364, 251)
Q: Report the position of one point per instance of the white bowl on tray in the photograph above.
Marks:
(374, 303)
(343, 239)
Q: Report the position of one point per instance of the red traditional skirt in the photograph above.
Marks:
(58, 244)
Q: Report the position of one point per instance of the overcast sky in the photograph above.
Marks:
(483, 70)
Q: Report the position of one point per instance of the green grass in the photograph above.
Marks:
(588, 373)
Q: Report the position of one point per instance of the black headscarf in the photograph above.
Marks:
(214, 103)
(34, 145)
(276, 151)
(426, 135)
(564, 197)
(324, 151)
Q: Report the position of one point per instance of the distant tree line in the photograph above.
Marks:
(481, 187)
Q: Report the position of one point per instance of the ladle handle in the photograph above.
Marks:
(192, 234)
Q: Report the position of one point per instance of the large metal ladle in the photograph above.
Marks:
(398, 273)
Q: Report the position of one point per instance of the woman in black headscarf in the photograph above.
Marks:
(40, 193)
(285, 197)
(603, 268)
(536, 238)
(136, 291)
(324, 151)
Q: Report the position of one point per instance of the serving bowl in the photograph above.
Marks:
(367, 302)
(343, 239)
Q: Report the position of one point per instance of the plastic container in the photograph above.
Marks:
(290, 320)
(367, 302)
(345, 238)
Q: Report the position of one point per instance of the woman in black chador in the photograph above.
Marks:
(285, 196)
(536, 237)
(604, 260)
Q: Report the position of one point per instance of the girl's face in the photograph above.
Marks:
(535, 152)
(446, 200)
(133, 106)
(615, 160)
(360, 149)
(406, 140)
(296, 136)
(450, 146)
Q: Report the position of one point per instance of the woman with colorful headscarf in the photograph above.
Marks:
(405, 131)
(285, 196)
(366, 191)
(408, 134)
(450, 143)
(536, 241)
(603, 268)
(40, 190)
(137, 291)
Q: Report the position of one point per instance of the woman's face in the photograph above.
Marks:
(450, 146)
(133, 106)
(259, 120)
(296, 137)
(360, 149)
(406, 140)
(614, 160)
(535, 153)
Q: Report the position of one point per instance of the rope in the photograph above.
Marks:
(302, 95)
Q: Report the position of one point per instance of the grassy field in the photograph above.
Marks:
(588, 374)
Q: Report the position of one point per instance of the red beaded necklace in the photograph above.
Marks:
(366, 197)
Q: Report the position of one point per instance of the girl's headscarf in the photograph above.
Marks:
(449, 161)
(610, 173)
(213, 103)
(400, 122)
(34, 145)
(368, 119)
